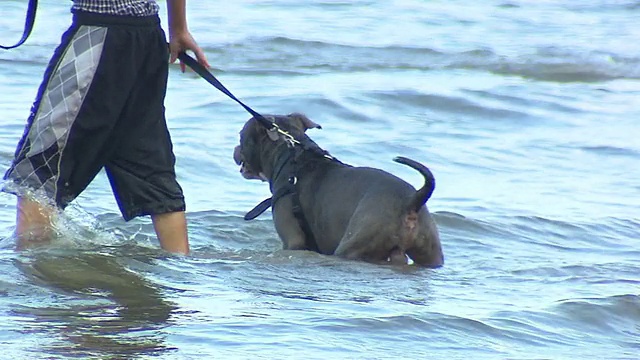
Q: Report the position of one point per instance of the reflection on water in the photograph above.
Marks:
(108, 309)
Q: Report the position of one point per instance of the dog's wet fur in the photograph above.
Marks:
(358, 213)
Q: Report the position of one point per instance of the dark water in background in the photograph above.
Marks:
(526, 111)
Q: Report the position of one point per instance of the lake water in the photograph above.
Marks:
(526, 111)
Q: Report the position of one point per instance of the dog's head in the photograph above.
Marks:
(256, 151)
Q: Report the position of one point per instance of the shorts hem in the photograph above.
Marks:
(154, 209)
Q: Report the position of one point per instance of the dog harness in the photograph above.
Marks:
(284, 180)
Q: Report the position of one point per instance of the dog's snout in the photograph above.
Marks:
(237, 155)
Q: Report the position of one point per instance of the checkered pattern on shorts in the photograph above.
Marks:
(117, 7)
(37, 161)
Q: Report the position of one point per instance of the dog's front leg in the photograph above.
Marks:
(287, 225)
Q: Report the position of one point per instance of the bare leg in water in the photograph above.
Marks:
(33, 223)
(34, 226)
(171, 229)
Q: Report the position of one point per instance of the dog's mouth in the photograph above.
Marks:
(248, 173)
(245, 169)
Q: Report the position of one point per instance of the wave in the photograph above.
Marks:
(605, 234)
(611, 151)
(458, 105)
(560, 251)
(576, 273)
(545, 63)
(552, 64)
(617, 314)
(609, 321)
(600, 6)
(295, 57)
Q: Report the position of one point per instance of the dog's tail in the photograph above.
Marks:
(422, 195)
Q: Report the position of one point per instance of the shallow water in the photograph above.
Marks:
(526, 112)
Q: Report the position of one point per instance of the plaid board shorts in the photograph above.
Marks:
(101, 105)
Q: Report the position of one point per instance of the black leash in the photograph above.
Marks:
(290, 188)
(274, 132)
(28, 25)
(208, 76)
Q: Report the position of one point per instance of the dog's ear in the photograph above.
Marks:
(304, 121)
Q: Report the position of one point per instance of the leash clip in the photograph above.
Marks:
(276, 132)
(291, 142)
(288, 138)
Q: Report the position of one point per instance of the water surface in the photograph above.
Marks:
(526, 112)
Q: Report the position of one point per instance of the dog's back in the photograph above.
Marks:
(367, 213)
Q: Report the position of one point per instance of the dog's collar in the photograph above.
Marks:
(284, 175)
(282, 182)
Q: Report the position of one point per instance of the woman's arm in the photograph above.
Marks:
(180, 38)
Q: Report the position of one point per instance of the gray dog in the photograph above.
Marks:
(323, 205)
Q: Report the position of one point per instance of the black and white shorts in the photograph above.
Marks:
(101, 105)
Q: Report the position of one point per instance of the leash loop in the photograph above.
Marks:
(28, 25)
